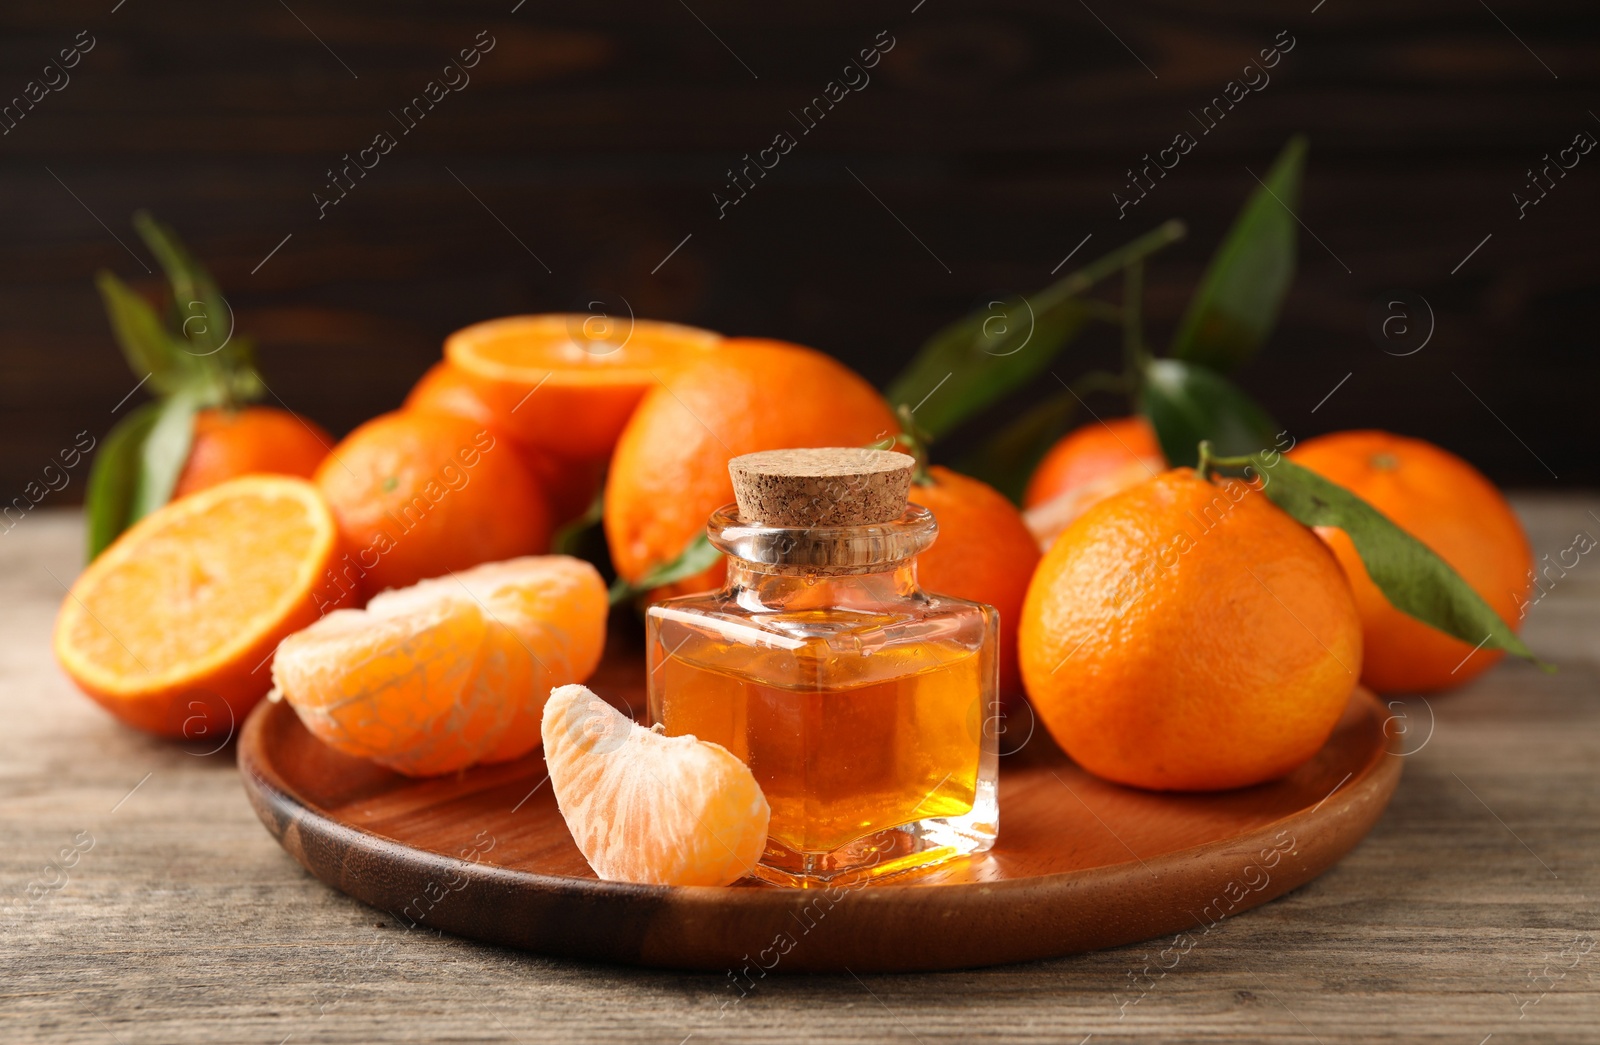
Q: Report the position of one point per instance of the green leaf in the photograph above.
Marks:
(1186, 403)
(145, 342)
(204, 318)
(243, 383)
(1411, 577)
(977, 360)
(973, 363)
(108, 497)
(700, 555)
(1238, 300)
(165, 450)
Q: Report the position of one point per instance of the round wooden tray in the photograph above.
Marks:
(1081, 864)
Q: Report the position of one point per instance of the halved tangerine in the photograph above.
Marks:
(171, 627)
(450, 671)
(568, 382)
(646, 807)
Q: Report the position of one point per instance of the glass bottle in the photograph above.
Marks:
(861, 702)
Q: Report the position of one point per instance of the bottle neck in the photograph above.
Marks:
(761, 586)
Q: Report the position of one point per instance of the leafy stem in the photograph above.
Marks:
(1412, 577)
(971, 364)
(188, 352)
(1208, 460)
(1130, 253)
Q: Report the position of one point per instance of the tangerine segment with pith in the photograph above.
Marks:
(554, 608)
(174, 623)
(568, 382)
(451, 671)
(649, 808)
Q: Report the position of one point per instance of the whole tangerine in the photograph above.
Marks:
(569, 484)
(251, 440)
(421, 494)
(1091, 453)
(670, 469)
(1187, 635)
(1446, 504)
(983, 553)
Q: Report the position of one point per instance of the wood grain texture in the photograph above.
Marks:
(186, 923)
(485, 854)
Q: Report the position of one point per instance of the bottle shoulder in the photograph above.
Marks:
(918, 618)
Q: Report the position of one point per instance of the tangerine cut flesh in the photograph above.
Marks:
(568, 382)
(187, 606)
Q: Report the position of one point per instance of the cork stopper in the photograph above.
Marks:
(834, 486)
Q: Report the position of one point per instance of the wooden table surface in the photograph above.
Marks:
(1470, 914)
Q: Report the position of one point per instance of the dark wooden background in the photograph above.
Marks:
(996, 132)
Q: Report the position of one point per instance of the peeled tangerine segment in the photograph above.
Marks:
(450, 671)
(645, 807)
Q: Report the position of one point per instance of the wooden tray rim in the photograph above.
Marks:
(1374, 782)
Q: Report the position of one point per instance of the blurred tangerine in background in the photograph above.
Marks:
(1086, 466)
(567, 383)
(230, 443)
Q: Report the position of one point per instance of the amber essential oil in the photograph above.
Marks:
(862, 704)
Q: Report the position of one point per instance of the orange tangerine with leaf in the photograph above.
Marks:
(1451, 507)
(1189, 635)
